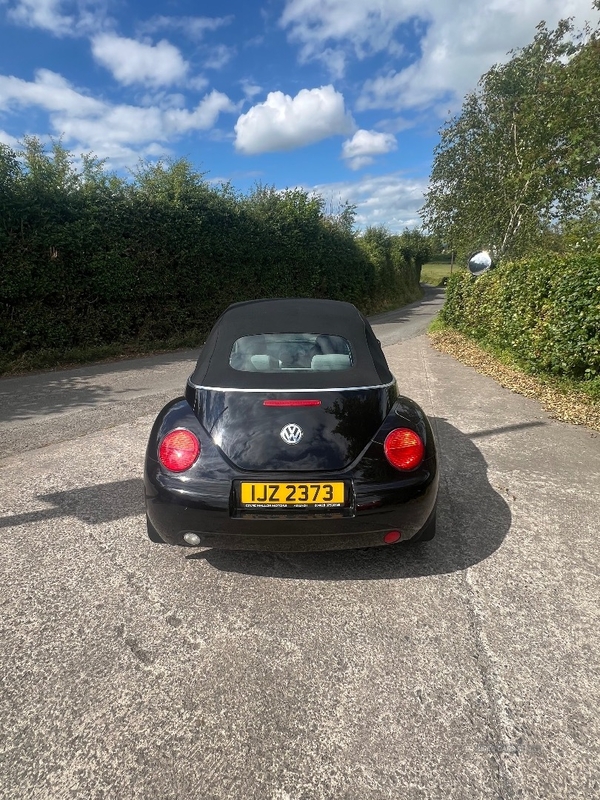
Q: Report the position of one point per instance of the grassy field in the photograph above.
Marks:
(434, 273)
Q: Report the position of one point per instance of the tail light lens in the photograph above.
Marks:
(404, 449)
(178, 450)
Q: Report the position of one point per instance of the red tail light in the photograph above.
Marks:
(178, 450)
(404, 449)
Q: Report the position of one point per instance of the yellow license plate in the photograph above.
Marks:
(282, 495)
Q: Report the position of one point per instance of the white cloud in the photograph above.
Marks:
(192, 27)
(399, 124)
(133, 62)
(125, 124)
(250, 88)
(284, 123)
(334, 60)
(392, 200)
(454, 43)
(366, 26)
(121, 132)
(49, 91)
(198, 83)
(203, 117)
(7, 139)
(50, 15)
(218, 56)
(359, 151)
(42, 14)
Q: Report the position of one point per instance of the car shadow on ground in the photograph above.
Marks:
(473, 520)
(55, 396)
(29, 396)
(101, 503)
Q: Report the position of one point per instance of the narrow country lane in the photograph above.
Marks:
(467, 667)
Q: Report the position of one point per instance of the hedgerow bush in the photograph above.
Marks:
(88, 259)
(544, 311)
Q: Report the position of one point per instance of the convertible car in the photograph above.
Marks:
(291, 436)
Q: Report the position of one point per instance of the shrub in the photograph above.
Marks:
(88, 260)
(544, 311)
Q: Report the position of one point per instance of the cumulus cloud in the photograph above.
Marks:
(359, 151)
(284, 123)
(456, 43)
(392, 200)
(133, 62)
(121, 132)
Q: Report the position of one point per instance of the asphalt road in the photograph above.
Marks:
(467, 667)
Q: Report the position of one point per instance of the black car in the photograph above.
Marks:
(291, 436)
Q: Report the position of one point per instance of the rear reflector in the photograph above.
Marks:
(291, 403)
(404, 449)
(178, 450)
(392, 536)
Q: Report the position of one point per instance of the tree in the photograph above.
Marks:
(523, 152)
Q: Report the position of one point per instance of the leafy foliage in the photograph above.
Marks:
(397, 261)
(89, 260)
(524, 152)
(544, 311)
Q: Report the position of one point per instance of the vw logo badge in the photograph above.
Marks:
(291, 434)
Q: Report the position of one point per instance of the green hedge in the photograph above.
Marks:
(544, 311)
(88, 259)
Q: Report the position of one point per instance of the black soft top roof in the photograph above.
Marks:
(297, 315)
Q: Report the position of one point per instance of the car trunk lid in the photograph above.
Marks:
(257, 432)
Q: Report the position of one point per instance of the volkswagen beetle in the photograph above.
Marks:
(291, 436)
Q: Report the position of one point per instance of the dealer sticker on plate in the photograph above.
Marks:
(292, 495)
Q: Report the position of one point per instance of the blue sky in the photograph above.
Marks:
(344, 97)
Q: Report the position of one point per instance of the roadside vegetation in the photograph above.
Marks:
(438, 270)
(517, 173)
(564, 399)
(96, 266)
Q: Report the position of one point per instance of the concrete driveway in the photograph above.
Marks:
(467, 667)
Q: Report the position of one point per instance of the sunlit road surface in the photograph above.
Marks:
(467, 667)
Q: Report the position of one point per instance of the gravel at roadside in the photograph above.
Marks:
(574, 407)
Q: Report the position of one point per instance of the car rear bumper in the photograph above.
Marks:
(173, 514)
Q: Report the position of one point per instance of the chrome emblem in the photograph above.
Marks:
(291, 434)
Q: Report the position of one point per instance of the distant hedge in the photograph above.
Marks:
(90, 259)
(544, 311)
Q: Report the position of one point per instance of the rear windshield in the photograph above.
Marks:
(291, 352)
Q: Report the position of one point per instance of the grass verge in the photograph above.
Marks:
(436, 274)
(577, 402)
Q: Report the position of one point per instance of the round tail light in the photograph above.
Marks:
(404, 449)
(178, 450)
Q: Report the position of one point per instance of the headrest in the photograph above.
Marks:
(329, 362)
(264, 363)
